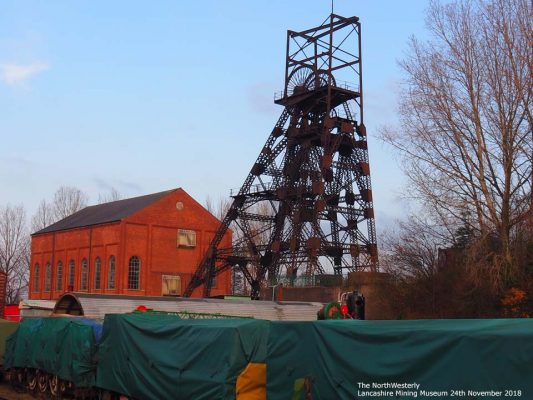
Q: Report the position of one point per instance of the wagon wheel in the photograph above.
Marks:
(19, 377)
(106, 395)
(54, 384)
(42, 381)
(12, 376)
(8, 375)
(62, 386)
(31, 379)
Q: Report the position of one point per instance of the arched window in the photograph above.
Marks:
(134, 269)
(47, 277)
(59, 276)
(84, 274)
(97, 272)
(71, 275)
(111, 273)
(36, 278)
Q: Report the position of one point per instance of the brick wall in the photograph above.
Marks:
(316, 293)
(373, 285)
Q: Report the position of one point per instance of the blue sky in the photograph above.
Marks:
(147, 96)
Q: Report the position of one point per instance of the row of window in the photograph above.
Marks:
(134, 269)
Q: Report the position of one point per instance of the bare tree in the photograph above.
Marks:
(219, 208)
(67, 201)
(113, 195)
(466, 122)
(410, 257)
(14, 250)
(44, 216)
(412, 250)
(428, 273)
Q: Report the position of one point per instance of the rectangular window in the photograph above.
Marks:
(134, 273)
(186, 238)
(171, 285)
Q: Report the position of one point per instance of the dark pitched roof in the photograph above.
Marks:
(104, 213)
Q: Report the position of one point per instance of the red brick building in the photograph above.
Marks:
(148, 245)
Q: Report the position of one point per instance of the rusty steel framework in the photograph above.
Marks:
(306, 206)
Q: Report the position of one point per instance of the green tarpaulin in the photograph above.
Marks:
(357, 359)
(6, 329)
(162, 357)
(59, 346)
(149, 356)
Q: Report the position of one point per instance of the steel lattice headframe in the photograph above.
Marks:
(306, 205)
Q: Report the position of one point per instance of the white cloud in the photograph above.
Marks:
(18, 74)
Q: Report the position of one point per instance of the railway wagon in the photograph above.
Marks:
(324, 360)
(146, 356)
(140, 356)
(54, 356)
(423, 359)
(149, 356)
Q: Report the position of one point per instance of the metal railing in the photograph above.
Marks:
(309, 281)
(280, 94)
(257, 188)
(194, 315)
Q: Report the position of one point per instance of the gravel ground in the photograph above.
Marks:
(7, 393)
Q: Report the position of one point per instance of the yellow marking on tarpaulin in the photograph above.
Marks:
(251, 383)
